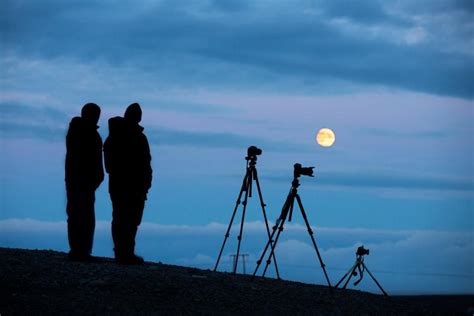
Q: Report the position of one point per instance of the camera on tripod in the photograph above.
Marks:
(361, 251)
(360, 266)
(302, 171)
(253, 151)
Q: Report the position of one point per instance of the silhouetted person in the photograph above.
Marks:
(84, 174)
(128, 163)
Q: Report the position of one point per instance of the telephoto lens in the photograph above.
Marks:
(303, 171)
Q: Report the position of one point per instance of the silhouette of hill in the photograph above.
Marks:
(45, 282)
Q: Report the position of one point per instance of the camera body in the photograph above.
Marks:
(303, 171)
(361, 251)
(253, 151)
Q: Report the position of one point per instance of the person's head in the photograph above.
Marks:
(133, 113)
(91, 113)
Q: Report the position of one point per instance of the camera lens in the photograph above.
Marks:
(303, 171)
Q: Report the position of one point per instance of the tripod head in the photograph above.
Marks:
(251, 160)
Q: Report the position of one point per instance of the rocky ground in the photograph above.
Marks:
(45, 282)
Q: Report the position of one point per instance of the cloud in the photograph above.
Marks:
(48, 123)
(37, 122)
(31, 131)
(37, 114)
(422, 134)
(292, 251)
(162, 136)
(190, 107)
(198, 260)
(31, 225)
(446, 24)
(399, 181)
(387, 180)
(246, 45)
(230, 5)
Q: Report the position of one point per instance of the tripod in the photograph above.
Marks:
(361, 267)
(250, 175)
(288, 210)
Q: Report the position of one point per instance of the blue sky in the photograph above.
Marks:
(393, 80)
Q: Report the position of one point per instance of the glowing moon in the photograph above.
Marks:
(325, 137)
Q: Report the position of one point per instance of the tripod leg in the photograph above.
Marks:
(352, 274)
(287, 207)
(266, 220)
(283, 215)
(244, 203)
(375, 280)
(242, 189)
(272, 252)
(361, 274)
(310, 231)
(259, 261)
(345, 275)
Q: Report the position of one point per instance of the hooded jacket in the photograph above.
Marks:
(127, 158)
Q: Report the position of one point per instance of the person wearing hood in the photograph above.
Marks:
(128, 163)
(83, 174)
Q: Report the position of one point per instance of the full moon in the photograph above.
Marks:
(325, 137)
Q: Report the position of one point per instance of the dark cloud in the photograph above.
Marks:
(367, 12)
(191, 107)
(163, 136)
(429, 6)
(156, 136)
(13, 111)
(230, 5)
(17, 120)
(394, 181)
(387, 181)
(429, 134)
(19, 130)
(46, 123)
(236, 46)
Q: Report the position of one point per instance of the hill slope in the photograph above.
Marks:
(34, 281)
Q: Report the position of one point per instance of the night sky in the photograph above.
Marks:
(394, 80)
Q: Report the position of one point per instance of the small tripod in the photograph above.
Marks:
(288, 210)
(250, 175)
(361, 267)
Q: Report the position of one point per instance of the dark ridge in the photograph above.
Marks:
(45, 282)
